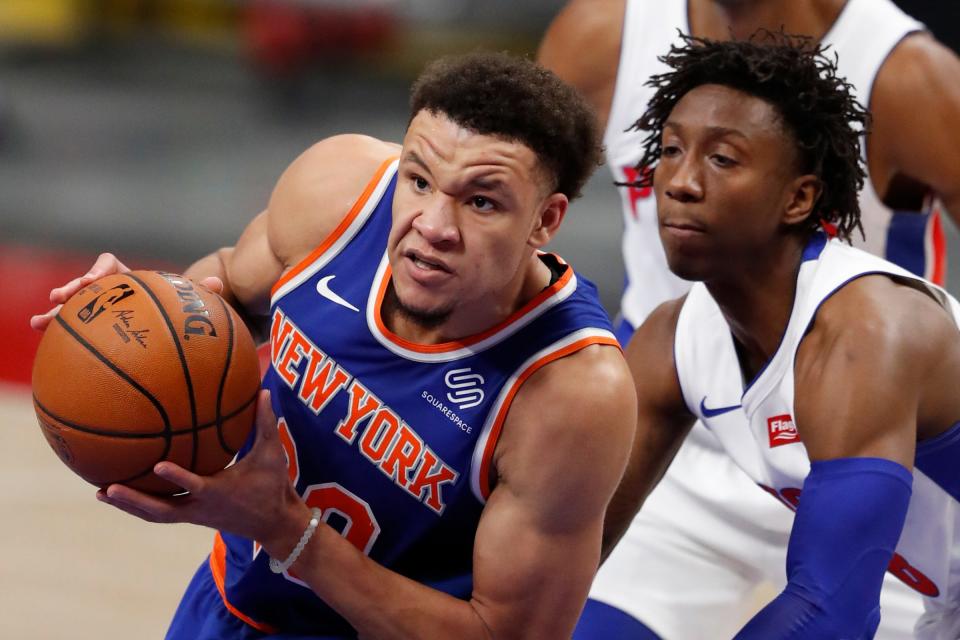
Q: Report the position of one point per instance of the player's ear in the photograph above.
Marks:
(547, 221)
(802, 196)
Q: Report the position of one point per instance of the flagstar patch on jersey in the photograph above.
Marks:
(782, 430)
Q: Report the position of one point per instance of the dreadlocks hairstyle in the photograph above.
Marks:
(513, 98)
(793, 75)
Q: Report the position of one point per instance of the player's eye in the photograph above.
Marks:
(669, 151)
(419, 183)
(482, 203)
(723, 161)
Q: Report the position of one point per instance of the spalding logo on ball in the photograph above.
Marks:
(143, 367)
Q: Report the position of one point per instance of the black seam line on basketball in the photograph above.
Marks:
(144, 435)
(142, 474)
(183, 360)
(124, 376)
(223, 378)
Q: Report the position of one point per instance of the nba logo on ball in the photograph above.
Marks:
(782, 430)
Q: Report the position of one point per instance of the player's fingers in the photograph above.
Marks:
(106, 264)
(141, 505)
(143, 515)
(266, 453)
(179, 476)
(62, 294)
(266, 421)
(41, 321)
(213, 283)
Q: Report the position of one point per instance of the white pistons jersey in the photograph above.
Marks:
(863, 36)
(755, 424)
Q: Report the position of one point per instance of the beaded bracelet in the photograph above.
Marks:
(279, 567)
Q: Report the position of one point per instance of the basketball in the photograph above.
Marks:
(142, 367)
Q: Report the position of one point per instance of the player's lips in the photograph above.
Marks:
(683, 228)
(424, 269)
(426, 262)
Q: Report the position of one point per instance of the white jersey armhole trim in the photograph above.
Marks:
(341, 241)
(490, 432)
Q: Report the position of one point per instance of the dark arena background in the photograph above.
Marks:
(155, 129)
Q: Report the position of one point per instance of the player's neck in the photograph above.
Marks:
(756, 299)
(719, 19)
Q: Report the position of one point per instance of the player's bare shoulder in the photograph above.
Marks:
(878, 323)
(582, 46)
(888, 312)
(918, 60)
(915, 103)
(881, 357)
(318, 190)
(576, 395)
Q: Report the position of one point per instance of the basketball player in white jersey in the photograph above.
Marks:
(829, 375)
(707, 537)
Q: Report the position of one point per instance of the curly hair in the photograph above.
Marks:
(515, 99)
(793, 75)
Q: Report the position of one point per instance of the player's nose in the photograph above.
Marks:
(437, 221)
(684, 180)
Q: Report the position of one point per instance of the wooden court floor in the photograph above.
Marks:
(72, 567)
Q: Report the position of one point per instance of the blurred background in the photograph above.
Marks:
(156, 129)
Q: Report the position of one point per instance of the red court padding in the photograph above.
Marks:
(27, 274)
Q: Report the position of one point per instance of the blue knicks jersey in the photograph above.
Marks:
(392, 440)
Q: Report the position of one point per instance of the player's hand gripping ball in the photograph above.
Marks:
(143, 367)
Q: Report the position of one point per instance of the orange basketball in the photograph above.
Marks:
(143, 367)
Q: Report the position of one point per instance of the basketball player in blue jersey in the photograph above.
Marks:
(827, 374)
(707, 539)
(449, 412)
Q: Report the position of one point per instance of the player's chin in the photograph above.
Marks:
(690, 257)
(424, 306)
(692, 268)
(426, 313)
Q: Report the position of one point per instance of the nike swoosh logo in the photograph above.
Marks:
(323, 288)
(718, 411)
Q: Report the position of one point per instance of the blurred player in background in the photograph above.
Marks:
(707, 536)
(815, 364)
(452, 410)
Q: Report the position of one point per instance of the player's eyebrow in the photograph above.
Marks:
(411, 156)
(487, 184)
(480, 182)
(713, 131)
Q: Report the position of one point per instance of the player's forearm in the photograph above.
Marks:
(649, 460)
(213, 264)
(216, 264)
(835, 565)
(620, 513)
(377, 602)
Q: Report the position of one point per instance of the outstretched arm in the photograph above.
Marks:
(561, 453)
(865, 377)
